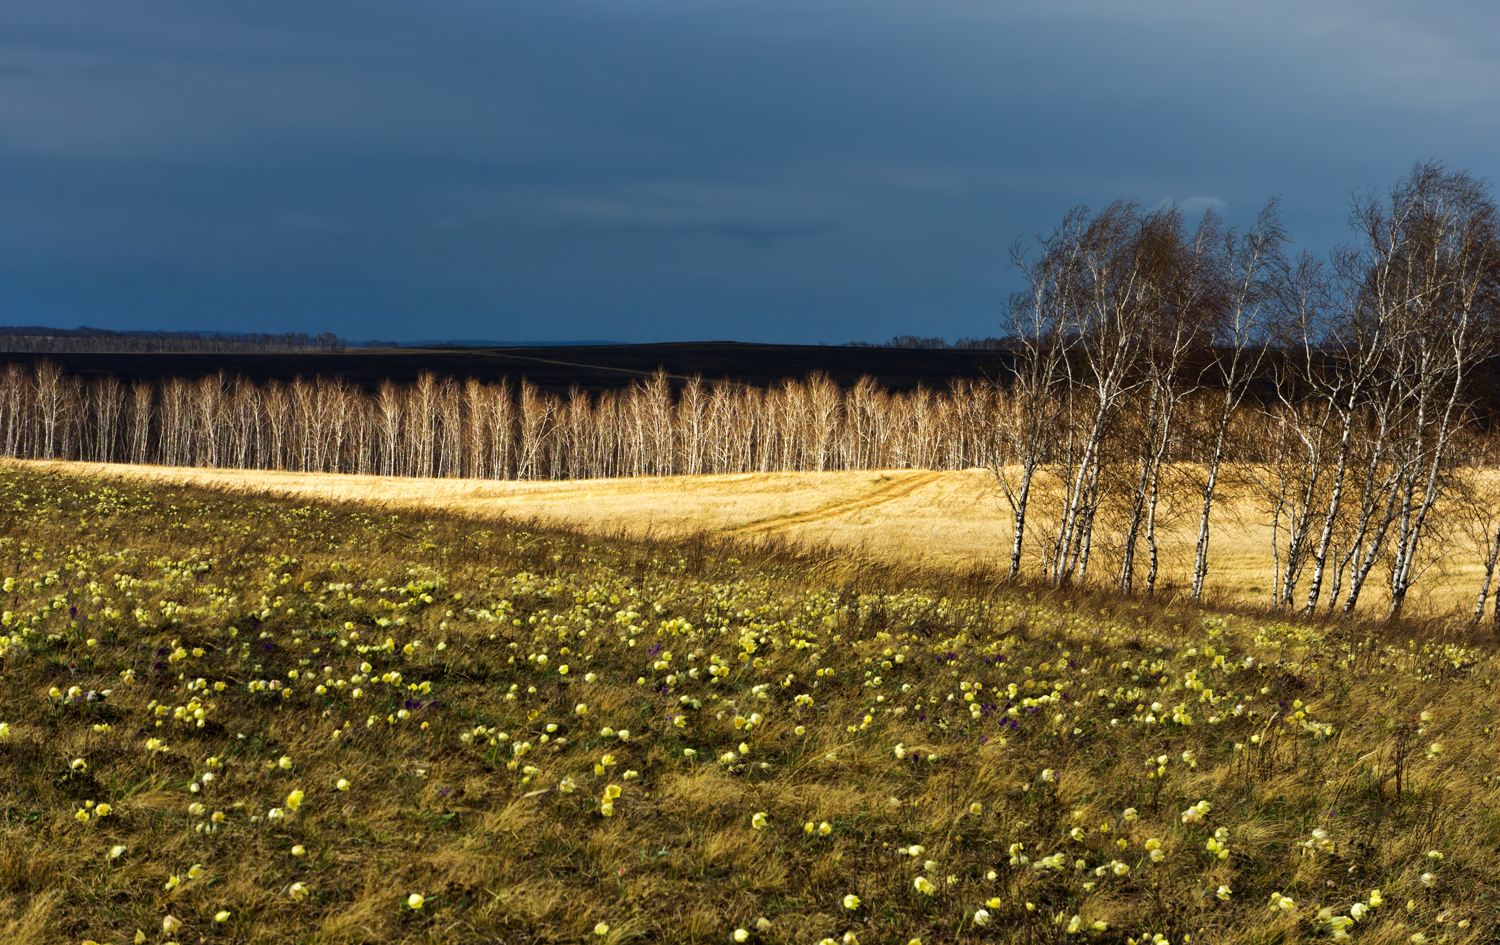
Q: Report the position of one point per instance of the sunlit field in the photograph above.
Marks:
(248, 719)
(947, 520)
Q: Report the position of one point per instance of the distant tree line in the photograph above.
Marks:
(447, 427)
(918, 343)
(38, 340)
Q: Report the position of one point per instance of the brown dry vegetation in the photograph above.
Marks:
(951, 520)
(301, 715)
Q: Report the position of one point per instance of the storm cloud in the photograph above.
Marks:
(817, 170)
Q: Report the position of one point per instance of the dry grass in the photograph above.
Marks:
(198, 661)
(943, 520)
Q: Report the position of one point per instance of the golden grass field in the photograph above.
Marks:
(944, 520)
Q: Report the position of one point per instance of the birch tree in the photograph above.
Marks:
(1249, 264)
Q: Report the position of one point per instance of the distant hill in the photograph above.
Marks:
(591, 367)
(38, 339)
(483, 343)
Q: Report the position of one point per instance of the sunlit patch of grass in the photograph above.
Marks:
(947, 521)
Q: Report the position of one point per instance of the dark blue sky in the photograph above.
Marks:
(781, 170)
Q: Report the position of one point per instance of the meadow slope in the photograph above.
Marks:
(243, 719)
(945, 520)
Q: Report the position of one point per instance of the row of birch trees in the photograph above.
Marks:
(1156, 358)
(447, 427)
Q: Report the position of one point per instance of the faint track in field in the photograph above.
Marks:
(880, 495)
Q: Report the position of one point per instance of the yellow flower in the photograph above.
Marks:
(759, 820)
(924, 886)
(851, 901)
(221, 916)
(601, 929)
(415, 901)
(294, 799)
(1197, 812)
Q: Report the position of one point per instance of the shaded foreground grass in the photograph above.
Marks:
(236, 719)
